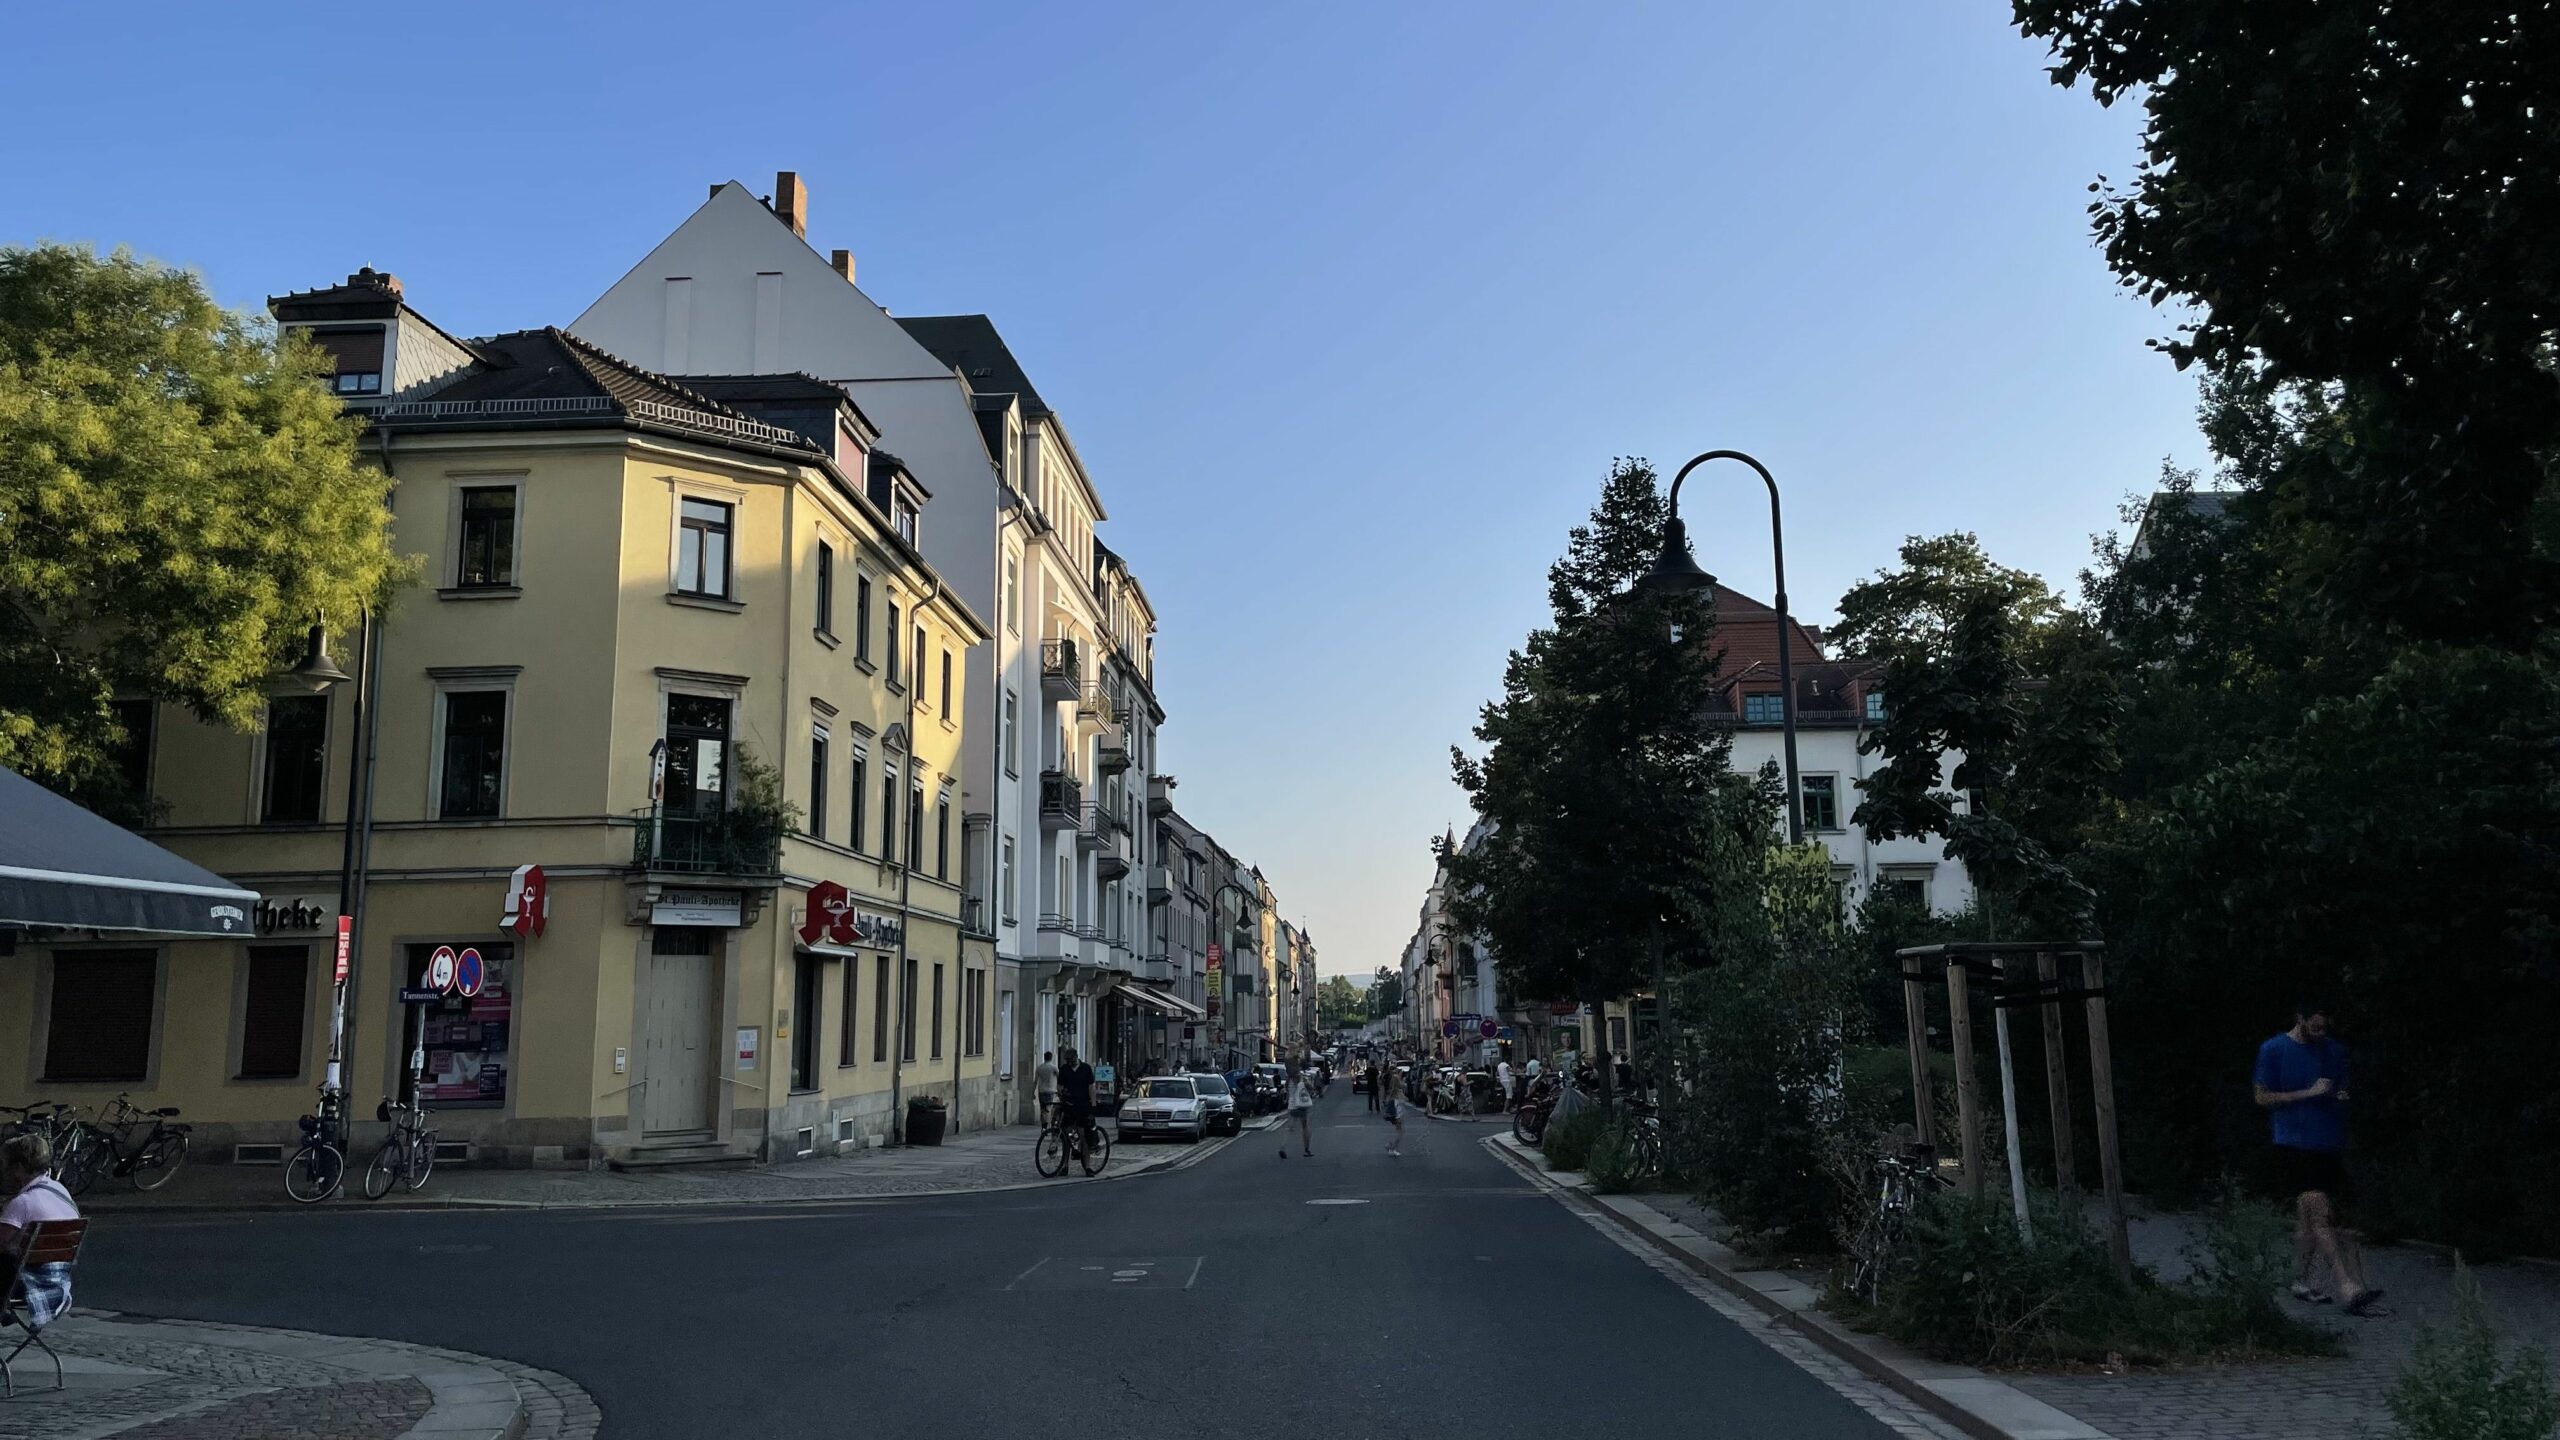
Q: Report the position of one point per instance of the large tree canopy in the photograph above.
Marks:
(2360, 194)
(179, 500)
(1607, 785)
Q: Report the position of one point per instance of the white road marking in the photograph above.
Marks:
(1337, 1202)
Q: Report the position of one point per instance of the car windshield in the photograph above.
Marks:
(1169, 1090)
(1210, 1084)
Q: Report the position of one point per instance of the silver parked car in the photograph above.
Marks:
(1219, 1104)
(1161, 1107)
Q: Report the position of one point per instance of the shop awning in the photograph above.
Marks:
(1162, 1003)
(62, 866)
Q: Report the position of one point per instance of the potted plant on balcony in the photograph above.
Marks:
(926, 1117)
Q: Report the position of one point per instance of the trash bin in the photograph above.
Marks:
(925, 1120)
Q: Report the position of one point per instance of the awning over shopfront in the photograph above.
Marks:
(1162, 1003)
(62, 866)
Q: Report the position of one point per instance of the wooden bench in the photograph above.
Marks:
(49, 1242)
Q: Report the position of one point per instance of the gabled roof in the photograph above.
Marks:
(970, 345)
(368, 294)
(793, 388)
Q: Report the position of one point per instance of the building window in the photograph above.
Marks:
(889, 816)
(915, 824)
(1821, 802)
(1763, 709)
(942, 840)
(472, 777)
(135, 720)
(355, 359)
(296, 755)
(99, 1027)
(469, 1041)
(893, 642)
(973, 1016)
(1910, 887)
(1006, 876)
(880, 1012)
(817, 782)
(853, 815)
(907, 1016)
(1011, 732)
(702, 549)
(1013, 593)
(937, 1012)
(826, 588)
(916, 656)
(902, 517)
(862, 618)
(946, 685)
(1875, 704)
(487, 554)
(848, 1038)
(271, 1012)
(806, 973)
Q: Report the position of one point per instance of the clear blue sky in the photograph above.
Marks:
(1347, 305)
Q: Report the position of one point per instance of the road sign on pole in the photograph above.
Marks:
(469, 973)
(440, 969)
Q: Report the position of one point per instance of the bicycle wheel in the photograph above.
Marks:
(1097, 1150)
(1050, 1155)
(86, 1158)
(159, 1160)
(387, 1164)
(315, 1174)
(422, 1159)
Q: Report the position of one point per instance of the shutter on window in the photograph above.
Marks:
(100, 1028)
(271, 1023)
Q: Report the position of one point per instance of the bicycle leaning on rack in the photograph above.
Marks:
(111, 1147)
(1086, 1144)
(317, 1169)
(408, 1153)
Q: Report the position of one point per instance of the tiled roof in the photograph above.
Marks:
(551, 375)
(970, 345)
(797, 385)
(365, 294)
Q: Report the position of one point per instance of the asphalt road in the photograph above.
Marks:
(1227, 1299)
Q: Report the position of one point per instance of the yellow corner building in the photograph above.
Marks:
(675, 646)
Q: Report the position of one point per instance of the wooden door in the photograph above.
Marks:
(679, 1035)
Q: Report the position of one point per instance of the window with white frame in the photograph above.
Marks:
(1907, 883)
(817, 818)
(826, 588)
(484, 537)
(472, 755)
(1013, 593)
(862, 617)
(1875, 704)
(1005, 879)
(1011, 732)
(703, 547)
(1768, 709)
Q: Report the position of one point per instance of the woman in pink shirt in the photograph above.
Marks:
(33, 1196)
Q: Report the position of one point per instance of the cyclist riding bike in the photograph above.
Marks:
(1075, 1095)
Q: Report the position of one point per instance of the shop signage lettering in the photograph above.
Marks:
(697, 907)
(833, 917)
(288, 917)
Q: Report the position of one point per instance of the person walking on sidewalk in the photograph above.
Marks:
(1046, 1079)
(1378, 1072)
(1502, 1081)
(2301, 1078)
(1391, 1110)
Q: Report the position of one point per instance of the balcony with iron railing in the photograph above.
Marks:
(1062, 804)
(1093, 827)
(1061, 671)
(973, 916)
(739, 843)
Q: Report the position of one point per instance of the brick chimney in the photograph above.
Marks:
(843, 261)
(791, 202)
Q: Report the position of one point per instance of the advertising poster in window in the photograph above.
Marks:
(469, 1042)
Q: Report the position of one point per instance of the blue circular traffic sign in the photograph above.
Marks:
(469, 973)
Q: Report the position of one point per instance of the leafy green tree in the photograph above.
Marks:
(1339, 1002)
(2355, 196)
(1386, 994)
(1612, 805)
(180, 500)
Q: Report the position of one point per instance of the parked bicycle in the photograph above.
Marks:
(111, 1147)
(63, 1133)
(1087, 1145)
(408, 1153)
(1905, 1171)
(320, 1166)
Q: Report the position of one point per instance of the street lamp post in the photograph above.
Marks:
(1678, 571)
(322, 675)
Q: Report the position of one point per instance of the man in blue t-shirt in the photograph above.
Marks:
(2301, 1079)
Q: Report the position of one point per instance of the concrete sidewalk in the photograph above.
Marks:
(999, 1159)
(190, 1380)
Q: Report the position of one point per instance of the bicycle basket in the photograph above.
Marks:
(310, 1125)
(382, 1112)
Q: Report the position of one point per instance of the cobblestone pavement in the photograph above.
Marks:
(987, 1160)
(141, 1379)
(2278, 1401)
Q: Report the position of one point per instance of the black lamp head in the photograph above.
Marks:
(317, 670)
(1677, 572)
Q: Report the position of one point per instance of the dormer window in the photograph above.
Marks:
(355, 358)
(903, 513)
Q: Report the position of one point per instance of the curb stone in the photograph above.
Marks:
(470, 1395)
(1977, 1403)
